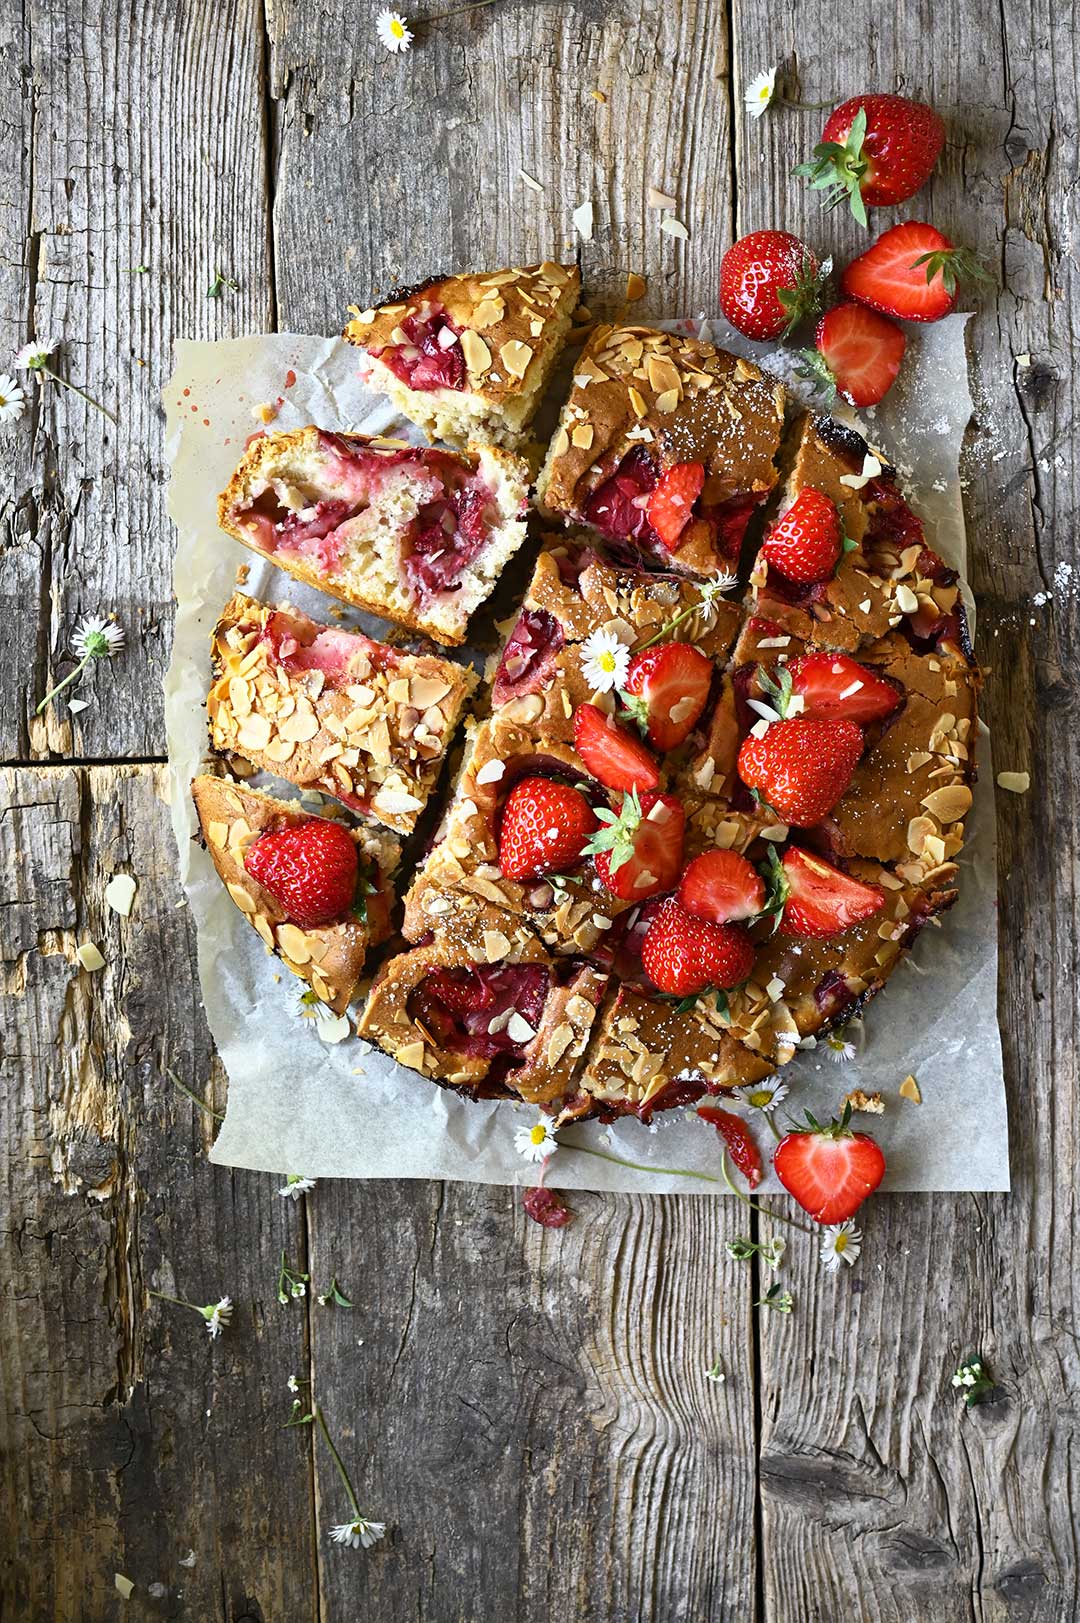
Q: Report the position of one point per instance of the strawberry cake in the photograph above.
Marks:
(688, 835)
(417, 536)
(468, 357)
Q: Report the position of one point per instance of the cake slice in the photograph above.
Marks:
(666, 445)
(483, 1008)
(417, 536)
(468, 357)
(332, 710)
(323, 896)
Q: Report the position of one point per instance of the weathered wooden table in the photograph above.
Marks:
(529, 1412)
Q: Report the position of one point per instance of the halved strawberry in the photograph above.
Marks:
(737, 1140)
(835, 687)
(638, 852)
(830, 1170)
(672, 682)
(823, 901)
(804, 542)
(721, 886)
(683, 955)
(913, 272)
(671, 503)
(858, 353)
(544, 828)
(611, 753)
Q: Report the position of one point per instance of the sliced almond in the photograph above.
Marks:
(516, 356)
(948, 804)
(909, 1089)
(293, 942)
(477, 355)
(412, 1056)
(1018, 783)
(254, 734)
(241, 897)
(496, 946)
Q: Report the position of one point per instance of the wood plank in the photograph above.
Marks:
(90, 192)
(882, 1496)
(130, 1437)
(525, 1410)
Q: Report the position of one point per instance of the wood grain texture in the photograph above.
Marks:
(879, 1490)
(130, 1437)
(141, 144)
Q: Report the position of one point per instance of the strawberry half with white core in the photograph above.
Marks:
(545, 825)
(611, 753)
(737, 1141)
(913, 272)
(805, 542)
(801, 767)
(834, 687)
(671, 503)
(857, 354)
(830, 1170)
(821, 901)
(310, 869)
(667, 689)
(769, 280)
(639, 848)
(721, 886)
(683, 955)
(874, 151)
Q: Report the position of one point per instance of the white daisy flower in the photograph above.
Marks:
(838, 1048)
(12, 399)
(293, 1384)
(760, 92)
(764, 1095)
(393, 31)
(294, 1187)
(710, 592)
(95, 638)
(536, 1143)
(217, 1316)
(358, 1533)
(33, 356)
(841, 1242)
(606, 661)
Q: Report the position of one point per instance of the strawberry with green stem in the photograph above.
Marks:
(875, 150)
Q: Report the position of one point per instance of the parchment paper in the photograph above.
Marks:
(297, 1104)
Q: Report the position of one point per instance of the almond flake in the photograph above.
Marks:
(254, 734)
(120, 893)
(773, 642)
(533, 185)
(775, 989)
(218, 834)
(477, 356)
(667, 402)
(496, 945)
(870, 469)
(515, 357)
(949, 804)
(660, 200)
(674, 228)
(906, 601)
(519, 1029)
(294, 943)
(241, 897)
(89, 956)
(412, 1056)
(490, 772)
(865, 606)
(583, 221)
(1017, 782)
(582, 436)
(909, 1089)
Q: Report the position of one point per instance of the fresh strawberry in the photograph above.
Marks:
(801, 767)
(857, 354)
(309, 868)
(682, 954)
(737, 1141)
(611, 753)
(836, 687)
(830, 1170)
(875, 150)
(672, 682)
(913, 272)
(721, 886)
(545, 825)
(769, 280)
(639, 850)
(804, 542)
(672, 500)
(821, 900)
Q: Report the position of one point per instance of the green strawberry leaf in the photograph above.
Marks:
(816, 370)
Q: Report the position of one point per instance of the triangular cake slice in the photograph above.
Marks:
(467, 357)
(329, 956)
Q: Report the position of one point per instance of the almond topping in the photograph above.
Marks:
(950, 803)
(477, 356)
(515, 357)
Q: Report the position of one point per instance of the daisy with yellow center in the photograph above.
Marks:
(536, 1143)
(838, 1048)
(764, 1095)
(393, 31)
(841, 1242)
(605, 661)
(760, 92)
(12, 399)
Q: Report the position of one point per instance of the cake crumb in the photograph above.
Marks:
(871, 1104)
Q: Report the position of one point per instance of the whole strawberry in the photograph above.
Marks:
(309, 868)
(875, 150)
(545, 825)
(804, 543)
(801, 767)
(769, 280)
(683, 955)
(830, 1170)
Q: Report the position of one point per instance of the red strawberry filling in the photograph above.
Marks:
(298, 644)
(620, 508)
(431, 358)
(529, 657)
(547, 1208)
(833, 995)
(447, 537)
(482, 1013)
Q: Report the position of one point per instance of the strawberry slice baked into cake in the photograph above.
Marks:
(416, 536)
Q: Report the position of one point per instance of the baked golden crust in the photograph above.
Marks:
(331, 957)
(332, 710)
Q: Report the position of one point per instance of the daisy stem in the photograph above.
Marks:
(639, 1166)
(48, 372)
(60, 686)
(804, 106)
(764, 1211)
(455, 11)
(668, 627)
(336, 1457)
(194, 1097)
(163, 1296)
